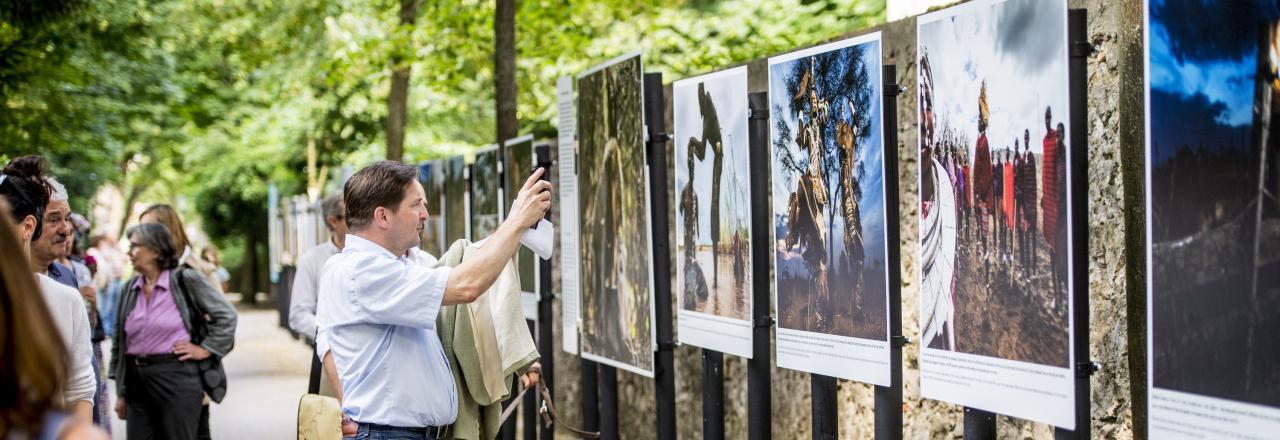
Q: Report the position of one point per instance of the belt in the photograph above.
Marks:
(152, 359)
(429, 431)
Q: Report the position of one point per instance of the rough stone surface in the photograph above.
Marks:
(1117, 329)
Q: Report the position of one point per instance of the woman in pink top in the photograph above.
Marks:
(155, 361)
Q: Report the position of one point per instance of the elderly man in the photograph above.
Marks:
(306, 283)
(40, 211)
(380, 297)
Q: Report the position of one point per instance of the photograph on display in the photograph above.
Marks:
(613, 226)
(518, 166)
(1213, 218)
(713, 210)
(828, 192)
(453, 208)
(485, 183)
(994, 229)
(429, 174)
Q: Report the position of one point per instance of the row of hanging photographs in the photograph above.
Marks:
(995, 249)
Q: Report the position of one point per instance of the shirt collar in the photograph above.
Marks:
(355, 243)
(161, 284)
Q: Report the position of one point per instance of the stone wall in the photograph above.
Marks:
(1117, 298)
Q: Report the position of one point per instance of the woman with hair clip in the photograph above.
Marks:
(31, 402)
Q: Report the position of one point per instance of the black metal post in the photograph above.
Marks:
(608, 402)
(1077, 39)
(712, 394)
(529, 409)
(590, 383)
(664, 358)
(546, 336)
(889, 399)
(979, 424)
(823, 392)
(760, 367)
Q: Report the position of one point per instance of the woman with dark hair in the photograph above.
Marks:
(31, 401)
(187, 256)
(160, 352)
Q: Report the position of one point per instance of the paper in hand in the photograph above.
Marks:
(540, 239)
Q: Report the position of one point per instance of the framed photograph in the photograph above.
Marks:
(995, 236)
(827, 156)
(1213, 220)
(614, 224)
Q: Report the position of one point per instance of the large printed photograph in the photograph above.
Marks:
(454, 209)
(994, 232)
(429, 173)
(828, 192)
(713, 190)
(1213, 217)
(485, 182)
(613, 207)
(518, 165)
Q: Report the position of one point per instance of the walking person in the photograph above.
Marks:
(306, 287)
(379, 300)
(160, 342)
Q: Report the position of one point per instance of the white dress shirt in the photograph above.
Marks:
(377, 316)
(72, 320)
(306, 287)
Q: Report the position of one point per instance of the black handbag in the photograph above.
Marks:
(212, 377)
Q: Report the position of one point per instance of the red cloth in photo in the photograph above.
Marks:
(1049, 188)
(983, 182)
(1008, 194)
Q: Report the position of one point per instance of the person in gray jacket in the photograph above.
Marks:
(160, 353)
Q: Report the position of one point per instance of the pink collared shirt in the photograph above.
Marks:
(154, 325)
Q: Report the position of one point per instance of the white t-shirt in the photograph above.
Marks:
(72, 320)
(306, 288)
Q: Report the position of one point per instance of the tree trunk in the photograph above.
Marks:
(249, 270)
(397, 100)
(504, 60)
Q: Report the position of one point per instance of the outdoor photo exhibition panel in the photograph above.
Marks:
(453, 208)
(567, 204)
(486, 193)
(995, 239)
(429, 174)
(1213, 227)
(713, 212)
(828, 216)
(613, 203)
(517, 166)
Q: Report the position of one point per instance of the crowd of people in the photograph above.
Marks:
(368, 301)
(65, 293)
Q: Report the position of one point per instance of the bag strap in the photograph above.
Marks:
(548, 411)
(198, 321)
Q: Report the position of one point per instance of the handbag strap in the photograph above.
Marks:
(548, 411)
(198, 321)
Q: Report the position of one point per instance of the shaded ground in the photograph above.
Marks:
(850, 311)
(1006, 311)
(1211, 335)
(729, 298)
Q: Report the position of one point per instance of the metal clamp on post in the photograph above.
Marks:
(899, 341)
(1087, 368)
(894, 89)
(757, 113)
(763, 322)
(666, 346)
(1081, 49)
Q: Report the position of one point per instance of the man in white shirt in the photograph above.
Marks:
(379, 299)
(306, 284)
(28, 195)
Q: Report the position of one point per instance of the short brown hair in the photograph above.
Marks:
(378, 185)
(168, 217)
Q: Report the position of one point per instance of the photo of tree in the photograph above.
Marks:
(995, 243)
(453, 208)
(518, 165)
(485, 183)
(613, 207)
(1213, 217)
(828, 191)
(429, 174)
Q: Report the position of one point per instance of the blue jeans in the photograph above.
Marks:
(379, 432)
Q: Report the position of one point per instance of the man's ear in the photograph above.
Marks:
(382, 217)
